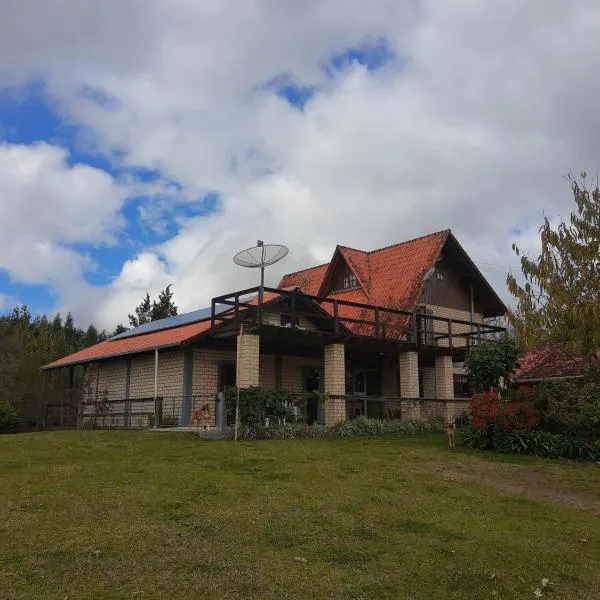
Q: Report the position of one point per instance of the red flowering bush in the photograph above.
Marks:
(488, 411)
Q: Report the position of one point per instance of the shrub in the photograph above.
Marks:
(359, 427)
(9, 418)
(258, 404)
(538, 442)
(489, 413)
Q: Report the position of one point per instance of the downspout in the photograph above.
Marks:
(156, 415)
(472, 308)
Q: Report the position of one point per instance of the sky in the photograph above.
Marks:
(144, 142)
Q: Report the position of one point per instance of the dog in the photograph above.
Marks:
(450, 431)
(201, 417)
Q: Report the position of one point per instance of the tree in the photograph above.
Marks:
(120, 328)
(490, 363)
(559, 300)
(91, 336)
(163, 307)
(142, 312)
(152, 310)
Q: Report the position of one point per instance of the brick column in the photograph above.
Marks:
(335, 383)
(247, 364)
(409, 384)
(444, 379)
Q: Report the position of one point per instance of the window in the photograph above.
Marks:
(440, 275)
(349, 281)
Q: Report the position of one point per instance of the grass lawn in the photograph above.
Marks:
(109, 515)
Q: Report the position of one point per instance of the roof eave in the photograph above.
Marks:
(87, 361)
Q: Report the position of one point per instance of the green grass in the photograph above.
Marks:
(157, 515)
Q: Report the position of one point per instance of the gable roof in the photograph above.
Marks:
(358, 263)
(549, 362)
(391, 277)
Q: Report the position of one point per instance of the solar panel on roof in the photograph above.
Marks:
(170, 322)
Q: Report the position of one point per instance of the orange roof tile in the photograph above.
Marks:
(144, 342)
(138, 343)
(390, 277)
(307, 281)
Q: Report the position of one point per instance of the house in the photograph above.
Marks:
(378, 333)
(550, 362)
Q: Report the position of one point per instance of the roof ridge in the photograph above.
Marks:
(353, 249)
(421, 237)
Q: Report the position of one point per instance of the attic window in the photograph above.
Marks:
(349, 281)
(440, 275)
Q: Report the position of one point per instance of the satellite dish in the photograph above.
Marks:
(258, 257)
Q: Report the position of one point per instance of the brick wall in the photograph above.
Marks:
(109, 378)
(428, 375)
(142, 376)
(267, 371)
(292, 370)
(451, 313)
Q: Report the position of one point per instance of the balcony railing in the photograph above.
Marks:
(345, 318)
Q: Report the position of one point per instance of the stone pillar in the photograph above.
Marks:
(409, 385)
(247, 364)
(335, 384)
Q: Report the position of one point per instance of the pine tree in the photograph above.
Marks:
(91, 336)
(120, 328)
(142, 312)
(163, 307)
(152, 310)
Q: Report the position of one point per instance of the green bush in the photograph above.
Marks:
(259, 404)
(359, 427)
(9, 418)
(538, 442)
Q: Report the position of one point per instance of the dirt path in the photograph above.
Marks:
(520, 479)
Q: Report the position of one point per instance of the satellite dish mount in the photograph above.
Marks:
(260, 256)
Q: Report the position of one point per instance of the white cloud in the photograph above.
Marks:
(472, 127)
(46, 206)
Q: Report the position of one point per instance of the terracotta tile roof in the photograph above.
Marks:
(139, 343)
(308, 280)
(391, 277)
(549, 362)
(149, 341)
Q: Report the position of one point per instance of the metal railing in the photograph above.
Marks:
(202, 411)
(132, 413)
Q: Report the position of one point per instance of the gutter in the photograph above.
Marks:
(537, 379)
